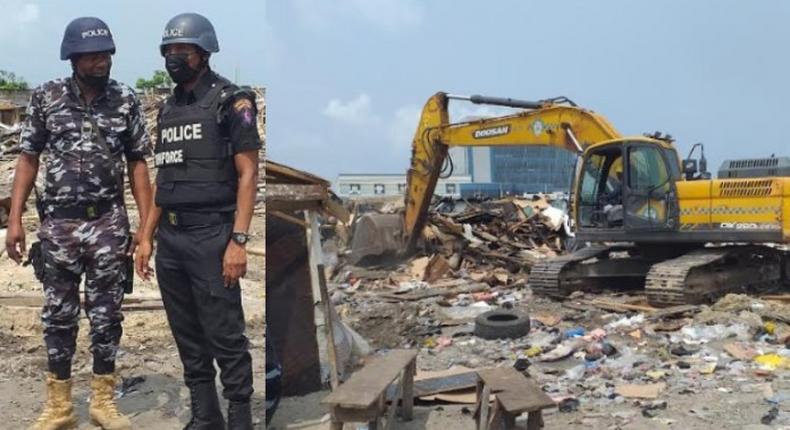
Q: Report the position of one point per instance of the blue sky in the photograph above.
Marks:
(347, 78)
(32, 30)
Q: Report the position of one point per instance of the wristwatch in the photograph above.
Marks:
(240, 237)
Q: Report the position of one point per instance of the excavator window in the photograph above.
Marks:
(649, 182)
(600, 192)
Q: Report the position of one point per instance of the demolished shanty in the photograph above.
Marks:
(635, 325)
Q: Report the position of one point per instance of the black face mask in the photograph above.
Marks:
(96, 82)
(177, 66)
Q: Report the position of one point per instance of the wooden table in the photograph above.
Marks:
(514, 395)
(363, 397)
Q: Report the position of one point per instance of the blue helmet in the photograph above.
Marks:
(190, 28)
(85, 35)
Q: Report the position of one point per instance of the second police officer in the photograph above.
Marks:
(207, 159)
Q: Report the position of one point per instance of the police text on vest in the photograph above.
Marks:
(166, 158)
(181, 133)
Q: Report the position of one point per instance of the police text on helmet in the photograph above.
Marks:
(173, 32)
(98, 32)
(182, 132)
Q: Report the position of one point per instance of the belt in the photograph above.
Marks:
(188, 219)
(85, 211)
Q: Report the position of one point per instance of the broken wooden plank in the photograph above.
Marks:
(620, 307)
(258, 252)
(673, 311)
(436, 292)
(295, 192)
(739, 351)
(289, 218)
(435, 269)
(640, 391)
(329, 328)
(577, 306)
(276, 172)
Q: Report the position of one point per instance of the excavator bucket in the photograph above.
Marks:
(377, 237)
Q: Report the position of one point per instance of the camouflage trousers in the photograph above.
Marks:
(95, 248)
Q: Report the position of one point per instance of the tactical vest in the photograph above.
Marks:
(190, 146)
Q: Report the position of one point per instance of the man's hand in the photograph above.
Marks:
(133, 243)
(234, 264)
(142, 257)
(15, 241)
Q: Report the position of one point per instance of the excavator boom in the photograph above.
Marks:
(545, 123)
(555, 122)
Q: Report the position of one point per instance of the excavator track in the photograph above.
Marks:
(544, 279)
(705, 274)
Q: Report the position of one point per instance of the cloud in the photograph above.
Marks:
(389, 15)
(26, 14)
(20, 15)
(354, 112)
(464, 111)
(404, 123)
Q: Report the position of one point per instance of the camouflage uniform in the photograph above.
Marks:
(79, 171)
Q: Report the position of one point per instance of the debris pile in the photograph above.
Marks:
(510, 233)
(608, 360)
(9, 140)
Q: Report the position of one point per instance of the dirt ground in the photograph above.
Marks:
(703, 411)
(705, 387)
(152, 393)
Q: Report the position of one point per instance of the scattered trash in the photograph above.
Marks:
(740, 351)
(130, 385)
(771, 361)
(770, 416)
(533, 351)
(627, 322)
(645, 391)
(569, 405)
(652, 409)
(683, 350)
(574, 332)
(521, 364)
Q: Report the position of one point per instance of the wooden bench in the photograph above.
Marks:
(363, 397)
(514, 395)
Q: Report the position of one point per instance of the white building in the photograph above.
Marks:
(479, 170)
(371, 185)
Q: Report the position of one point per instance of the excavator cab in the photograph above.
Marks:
(627, 186)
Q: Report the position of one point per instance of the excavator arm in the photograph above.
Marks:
(557, 122)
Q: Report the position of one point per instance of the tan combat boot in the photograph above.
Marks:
(103, 410)
(58, 413)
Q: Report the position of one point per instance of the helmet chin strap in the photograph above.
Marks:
(96, 83)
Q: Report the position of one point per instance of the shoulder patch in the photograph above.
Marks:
(242, 103)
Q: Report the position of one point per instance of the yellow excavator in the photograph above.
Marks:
(651, 220)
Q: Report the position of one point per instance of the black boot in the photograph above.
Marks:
(239, 416)
(206, 414)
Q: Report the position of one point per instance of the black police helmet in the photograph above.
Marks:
(190, 28)
(85, 35)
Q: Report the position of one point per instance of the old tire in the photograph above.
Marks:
(501, 324)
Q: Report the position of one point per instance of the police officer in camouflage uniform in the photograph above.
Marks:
(207, 159)
(91, 128)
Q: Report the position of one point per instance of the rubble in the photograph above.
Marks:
(593, 352)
